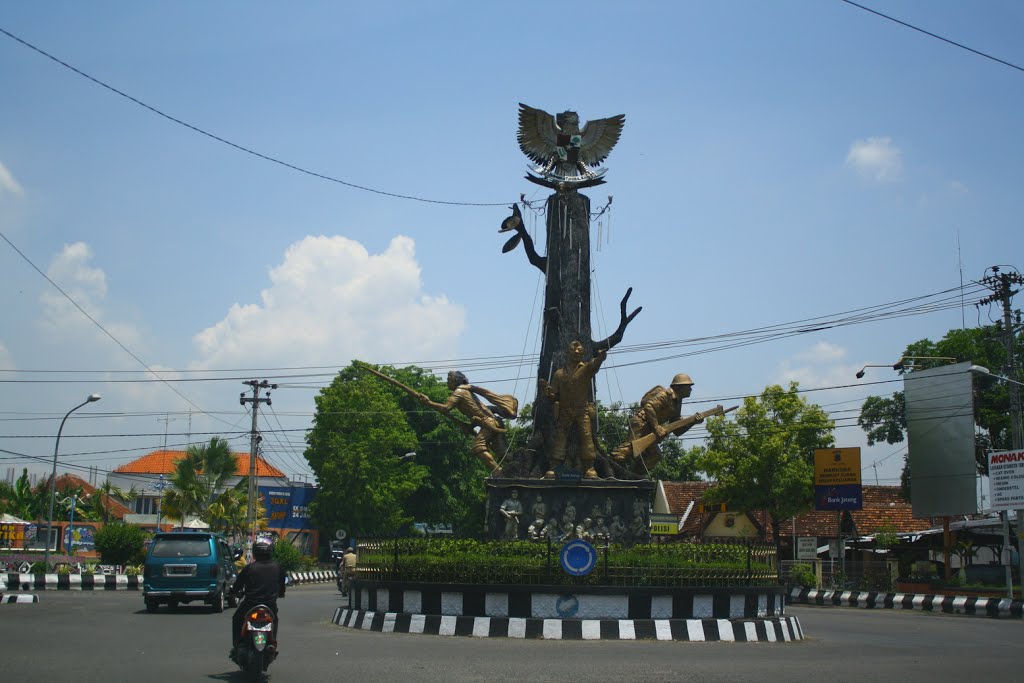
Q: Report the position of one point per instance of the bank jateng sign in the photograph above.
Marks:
(1006, 480)
(837, 479)
(287, 507)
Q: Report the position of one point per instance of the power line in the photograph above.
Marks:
(240, 148)
(934, 35)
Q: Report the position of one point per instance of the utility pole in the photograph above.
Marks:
(1002, 285)
(256, 400)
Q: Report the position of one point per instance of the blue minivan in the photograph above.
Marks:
(185, 566)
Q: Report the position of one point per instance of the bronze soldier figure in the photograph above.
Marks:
(570, 391)
(657, 406)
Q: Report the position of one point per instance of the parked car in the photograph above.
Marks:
(183, 567)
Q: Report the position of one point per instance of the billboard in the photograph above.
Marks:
(837, 479)
(287, 506)
(940, 441)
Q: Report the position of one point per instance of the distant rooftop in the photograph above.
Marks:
(162, 462)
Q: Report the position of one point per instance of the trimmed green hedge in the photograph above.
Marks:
(520, 563)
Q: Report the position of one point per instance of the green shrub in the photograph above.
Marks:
(875, 579)
(120, 543)
(802, 574)
(288, 556)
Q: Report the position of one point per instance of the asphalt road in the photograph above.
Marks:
(108, 636)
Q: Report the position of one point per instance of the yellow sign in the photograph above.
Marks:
(836, 466)
(664, 529)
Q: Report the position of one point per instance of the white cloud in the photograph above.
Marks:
(330, 301)
(876, 158)
(821, 352)
(8, 183)
(72, 272)
(957, 187)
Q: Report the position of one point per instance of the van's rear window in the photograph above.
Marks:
(181, 547)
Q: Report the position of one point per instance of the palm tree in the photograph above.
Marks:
(107, 491)
(229, 513)
(197, 478)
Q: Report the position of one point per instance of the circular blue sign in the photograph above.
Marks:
(578, 558)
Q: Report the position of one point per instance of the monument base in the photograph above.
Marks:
(563, 509)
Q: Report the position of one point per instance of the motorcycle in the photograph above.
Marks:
(258, 646)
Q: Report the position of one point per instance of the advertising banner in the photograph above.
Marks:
(287, 507)
(837, 483)
(1006, 480)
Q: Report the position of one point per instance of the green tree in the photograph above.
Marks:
(26, 501)
(107, 491)
(120, 543)
(229, 512)
(452, 491)
(197, 479)
(884, 419)
(764, 459)
(356, 445)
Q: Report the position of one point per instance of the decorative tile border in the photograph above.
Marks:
(999, 608)
(780, 630)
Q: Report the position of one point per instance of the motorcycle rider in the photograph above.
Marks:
(348, 569)
(263, 583)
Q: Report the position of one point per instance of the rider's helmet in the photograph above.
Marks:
(262, 549)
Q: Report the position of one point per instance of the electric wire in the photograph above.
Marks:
(234, 145)
(934, 35)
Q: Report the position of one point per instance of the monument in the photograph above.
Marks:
(563, 462)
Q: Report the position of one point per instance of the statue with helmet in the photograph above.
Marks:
(658, 417)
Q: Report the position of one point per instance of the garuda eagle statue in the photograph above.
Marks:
(565, 154)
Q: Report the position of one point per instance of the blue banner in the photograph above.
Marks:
(838, 497)
(287, 507)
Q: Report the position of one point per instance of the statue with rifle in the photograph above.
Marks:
(486, 422)
(657, 418)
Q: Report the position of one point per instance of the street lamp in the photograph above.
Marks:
(900, 364)
(979, 370)
(53, 479)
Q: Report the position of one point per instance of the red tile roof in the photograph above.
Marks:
(162, 462)
(882, 504)
(70, 481)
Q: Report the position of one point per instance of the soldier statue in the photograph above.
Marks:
(570, 392)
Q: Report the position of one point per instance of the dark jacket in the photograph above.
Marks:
(261, 581)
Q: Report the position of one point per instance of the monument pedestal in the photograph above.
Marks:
(563, 509)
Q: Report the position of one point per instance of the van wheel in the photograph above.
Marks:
(151, 605)
(217, 606)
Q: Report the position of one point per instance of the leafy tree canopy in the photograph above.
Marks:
(363, 430)
(764, 459)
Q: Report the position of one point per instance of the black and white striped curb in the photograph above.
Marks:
(6, 599)
(1000, 608)
(111, 582)
(73, 582)
(781, 630)
(313, 577)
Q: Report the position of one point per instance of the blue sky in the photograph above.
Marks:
(780, 161)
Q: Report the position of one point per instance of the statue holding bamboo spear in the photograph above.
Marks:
(486, 422)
